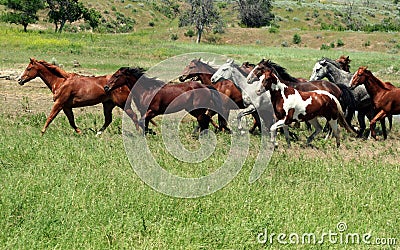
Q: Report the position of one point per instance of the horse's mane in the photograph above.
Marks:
(335, 63)
(280, 71)
(384, 85)
(210, 65)
(137, 72)
(55, 69)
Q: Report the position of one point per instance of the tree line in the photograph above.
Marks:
(201, 14)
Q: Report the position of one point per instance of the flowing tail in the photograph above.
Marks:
(341, 119)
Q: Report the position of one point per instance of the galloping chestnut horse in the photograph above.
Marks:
(385, 96)
(199, 70)
(291, 105)
(71, 90)
(153, 97)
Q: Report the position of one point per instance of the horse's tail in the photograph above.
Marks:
(347, 102)
(341, 118)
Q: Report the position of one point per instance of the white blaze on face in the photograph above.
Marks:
(314, 75)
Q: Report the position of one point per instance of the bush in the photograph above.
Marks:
(339, 43)
(325, 47)
(273, 30)
(189, 33)
(174, 37)
(296, 39)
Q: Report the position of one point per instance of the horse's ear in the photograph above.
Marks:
(32, 59)
(230, 61)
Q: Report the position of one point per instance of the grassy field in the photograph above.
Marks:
(69, 191)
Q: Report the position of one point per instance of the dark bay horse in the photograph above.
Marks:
(199, 70)
(71, 90)
(385, 96)
(291, 105)
(153, 97)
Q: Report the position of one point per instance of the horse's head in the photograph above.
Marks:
(267, 79)
(123, 76)
(194, 69)
(224, 72)
(31, 72)
(360, 77)
(344, 62)
(320, 70)
(257, 71)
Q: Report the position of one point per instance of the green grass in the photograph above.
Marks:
(63, 190)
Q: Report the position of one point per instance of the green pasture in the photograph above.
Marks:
(68, 191)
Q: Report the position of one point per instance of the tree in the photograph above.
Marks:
(201, 14)
(92, 16)
(22, 12)
(255, 13)
(62, 11)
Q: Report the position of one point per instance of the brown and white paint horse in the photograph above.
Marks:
(291, 105)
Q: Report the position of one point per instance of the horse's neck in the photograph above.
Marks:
(205, 78)
(337, 75)
(277, 91)
(240, 80)
(374, 86)
(51, 80)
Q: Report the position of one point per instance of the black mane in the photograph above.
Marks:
(281, 71)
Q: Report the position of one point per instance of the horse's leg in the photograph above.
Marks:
(335, 130)
(361, 122)
(70, 115)
(107, 111)
(383, 124)
(243, 113)
(53, 113)
(314, 122)
(256, 122)
(273, 129)
(390, 119)
(381, 115)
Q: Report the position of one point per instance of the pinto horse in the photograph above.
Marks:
(153, 97)
(71, 90)
(341, 92)
(291, 105)
(199, 70)
(385, 96)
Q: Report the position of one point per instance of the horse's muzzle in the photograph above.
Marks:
(21, 81)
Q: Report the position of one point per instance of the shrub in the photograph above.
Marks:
(174, 37)
(273, 30)
(367, 43)
(296, 39)
(325, 47)
(189, 33)
(339, 43)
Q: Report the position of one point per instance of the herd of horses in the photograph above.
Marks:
(265, 90)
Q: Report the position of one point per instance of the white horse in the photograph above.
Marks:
(260, 103)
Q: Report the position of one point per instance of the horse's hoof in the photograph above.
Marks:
(99, 133)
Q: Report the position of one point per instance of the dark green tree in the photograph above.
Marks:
(255, 13)
(22, 12)
(201, 14)
(62, 11)
(92, 16)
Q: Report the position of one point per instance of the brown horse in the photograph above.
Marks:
(344, 62)
(291, 105)
(71, 90)
(153, 97)
(199, 70)
(385, 96)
